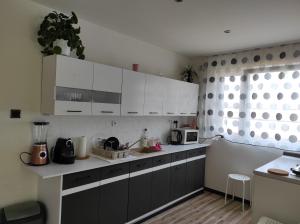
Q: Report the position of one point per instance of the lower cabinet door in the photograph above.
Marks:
(113, 202)
(160, 189)
(195, 175)
(81, 207)
(178, 181)
(139, 196)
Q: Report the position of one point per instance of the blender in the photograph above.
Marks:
(39, 152)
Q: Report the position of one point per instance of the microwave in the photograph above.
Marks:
(184, 136)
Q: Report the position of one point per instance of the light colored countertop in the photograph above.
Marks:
(284, 163)
(54, 170)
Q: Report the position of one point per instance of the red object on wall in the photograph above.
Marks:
(135, 67)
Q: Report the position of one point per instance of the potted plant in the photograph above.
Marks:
(58, 35)
(189, 73)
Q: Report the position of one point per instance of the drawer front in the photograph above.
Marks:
(72, 108)
(80, 178)
(179, 156)
(160, 160)
(196, 152)
(106, 109)
(140, 165)
(115, 170)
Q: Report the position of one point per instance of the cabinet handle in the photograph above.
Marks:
(170, 113)
(153, 112)
(74, 111)
(132, 112)
(182, 113)
(106, 112)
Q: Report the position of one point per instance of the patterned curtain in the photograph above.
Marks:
(252, 97)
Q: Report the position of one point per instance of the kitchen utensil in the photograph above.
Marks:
(111, 143)
(39, 154)
(176, 137)
(63, 152)
(296, 170)
(278, 172)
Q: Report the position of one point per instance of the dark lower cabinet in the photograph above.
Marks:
(195, 175)
(178, 181)
(139, 196)
(113, 203)
(160, 188)
(81, 207)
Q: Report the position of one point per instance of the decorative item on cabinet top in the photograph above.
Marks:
(75, 87)
(57, 35)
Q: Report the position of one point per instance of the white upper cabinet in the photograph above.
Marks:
(107, 88)
(154, 92)
(133, 89)
(76, 87)
(73, 73)
(188, 99)
(170, 97)
(107, 78)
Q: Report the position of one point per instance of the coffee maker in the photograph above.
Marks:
(39, 154)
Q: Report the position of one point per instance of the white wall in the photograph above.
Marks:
(225, 157)
(20, 87)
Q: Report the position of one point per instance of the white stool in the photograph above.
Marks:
(241, 178)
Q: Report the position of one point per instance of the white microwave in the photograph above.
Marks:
(184, 136)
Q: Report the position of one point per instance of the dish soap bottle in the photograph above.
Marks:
(144, 139)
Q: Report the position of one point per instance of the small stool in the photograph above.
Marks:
(241, 178)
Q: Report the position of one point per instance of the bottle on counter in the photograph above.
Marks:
(144, 139)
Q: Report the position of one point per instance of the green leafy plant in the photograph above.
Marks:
(189, 73)
(57, 26)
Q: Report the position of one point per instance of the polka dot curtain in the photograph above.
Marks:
(253, 97)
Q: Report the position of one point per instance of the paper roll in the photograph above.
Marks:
(81, 142)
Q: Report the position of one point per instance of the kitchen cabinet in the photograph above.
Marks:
(195, 175)
(77, 87)
(170, 97)
(113, 202)
(178, 181)
(133, 89)
(107, 88)
(160, 183)
(154, 91)
(66, 85)
(188, 96)
(81, 207)
(72, 72)
(139, 196)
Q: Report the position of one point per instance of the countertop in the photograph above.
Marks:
(284, 163)
(55, 170)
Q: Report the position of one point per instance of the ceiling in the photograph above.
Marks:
(194, 27)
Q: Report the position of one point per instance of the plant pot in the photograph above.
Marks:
(63, 44)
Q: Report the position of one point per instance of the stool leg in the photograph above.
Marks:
(243, 196)
(227, 185)
(233, 190)
(250, 197)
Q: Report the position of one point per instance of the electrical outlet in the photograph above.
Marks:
(15, 113)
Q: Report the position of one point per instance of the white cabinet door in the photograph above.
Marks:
(73, 73)
(188, 98)
(170, 97)
(193, 99)
(107, 78)
(133, 89)
(154, 92)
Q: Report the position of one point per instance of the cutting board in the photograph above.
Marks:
(278, 172)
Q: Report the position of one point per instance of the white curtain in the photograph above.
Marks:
(253, 97)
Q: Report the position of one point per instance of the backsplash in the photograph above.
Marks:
(126, 129)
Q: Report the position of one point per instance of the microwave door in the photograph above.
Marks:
(191, 137)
